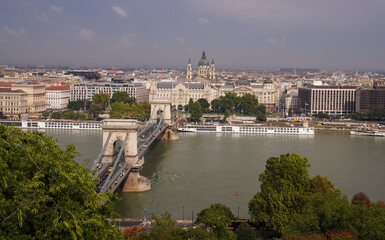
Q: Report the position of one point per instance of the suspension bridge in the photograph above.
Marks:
(122, 154)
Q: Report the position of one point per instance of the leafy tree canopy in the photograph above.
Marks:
(195, 110)
(101, 99)
(283, 189)
(95, 110)
(217, 216)
(45, 194)
(79, 104)
(122, 97)
(120, 110)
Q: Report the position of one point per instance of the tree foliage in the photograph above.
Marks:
(120, 110)
(245, 232)
(205, 105)
(283, 188)
(95, 110)
(163, 227)
(79, 104)
(377, 114)
(246, 104)
(217, 216)
(45, 194)
(101, 99)
(122, 97)
(195, 110)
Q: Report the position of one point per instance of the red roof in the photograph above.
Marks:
(6, 84)
(8, 90)
(58, 88)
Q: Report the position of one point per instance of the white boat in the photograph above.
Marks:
(54, 124)
(367, 132)
(247, 129)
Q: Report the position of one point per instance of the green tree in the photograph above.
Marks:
(56, 115)
(217, 216)
(204, 104)
(319, 184)
(322, 213)
(45, 115)
(195, 110)
(283, 190)
(122, 97)
(45, 194)
(261, 117)
(101, 99)
(95, 110)
(79, 104)
(119, 110)
(245, 232)
(248, 104)
(227, 114)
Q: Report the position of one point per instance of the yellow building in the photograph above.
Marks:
(12, 102)
(35, 95)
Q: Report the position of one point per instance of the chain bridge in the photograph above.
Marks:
(121, 157)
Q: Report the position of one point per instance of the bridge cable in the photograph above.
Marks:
(99, 159)
(115, 164)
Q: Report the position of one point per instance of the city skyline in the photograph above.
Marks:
(253, 34)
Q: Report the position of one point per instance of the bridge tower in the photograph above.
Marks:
(114, 131)
(161, 105)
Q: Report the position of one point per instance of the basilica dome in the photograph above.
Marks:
(203, 61)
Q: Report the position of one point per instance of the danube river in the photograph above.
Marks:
(199, 169)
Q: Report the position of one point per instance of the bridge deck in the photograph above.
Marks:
(112, 175)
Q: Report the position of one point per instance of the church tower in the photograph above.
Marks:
(212, 70)
(189, 70)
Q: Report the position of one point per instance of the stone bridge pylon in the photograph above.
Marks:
(118, 133)
(161, 105)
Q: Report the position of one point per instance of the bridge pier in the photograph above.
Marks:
(136, 183)
(169, 135)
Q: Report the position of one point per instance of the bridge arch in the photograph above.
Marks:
(115, 132)
(161, 106)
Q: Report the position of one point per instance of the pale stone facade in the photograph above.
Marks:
(12, 102)
(35, 96)
(266, 93)
(180, 93)
(58, 97)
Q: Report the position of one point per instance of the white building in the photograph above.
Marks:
(180, 93)
(80, 91)
(58, 97)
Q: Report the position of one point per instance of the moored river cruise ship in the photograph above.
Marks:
(54, 124)
(247, 129)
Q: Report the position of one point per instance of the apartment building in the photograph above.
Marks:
(12, 102)
(58, 97)
(35, 95)
(80, 91)
(370, 99)
(334, 100)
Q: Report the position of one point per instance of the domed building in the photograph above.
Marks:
(205, 71)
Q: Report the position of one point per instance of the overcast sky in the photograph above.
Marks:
(346, 34)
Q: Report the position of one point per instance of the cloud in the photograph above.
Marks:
(119, 11)
(181, 40)
(56, 8)
(86, 34)
(275, 41)
(40, 16)
(126, 41)
(203, 20)
(15, 32)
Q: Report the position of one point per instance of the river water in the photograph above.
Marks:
(200, 169)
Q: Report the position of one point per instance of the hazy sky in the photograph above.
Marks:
(165, 33)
